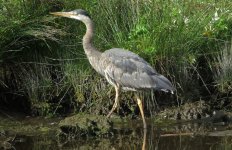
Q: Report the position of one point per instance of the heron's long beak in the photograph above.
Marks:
(63, 14)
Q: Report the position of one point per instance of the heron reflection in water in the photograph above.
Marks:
(123, 69)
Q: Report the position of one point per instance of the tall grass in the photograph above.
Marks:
(223, 69)
(90, 91)
(27, 36)
(44, 55)
(173, 36)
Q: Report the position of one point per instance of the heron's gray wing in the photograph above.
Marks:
(131, 71)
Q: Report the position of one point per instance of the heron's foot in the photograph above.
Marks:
(116, 101)
(112, 110)
(109, 114)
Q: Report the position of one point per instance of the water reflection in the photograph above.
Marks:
(132, 137)
(150, 141)
(155, 138)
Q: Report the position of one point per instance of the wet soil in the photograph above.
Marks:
(82, 125)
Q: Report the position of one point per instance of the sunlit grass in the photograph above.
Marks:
(223, 69)
(172, 36)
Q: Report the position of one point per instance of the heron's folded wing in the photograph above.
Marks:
(129, 70)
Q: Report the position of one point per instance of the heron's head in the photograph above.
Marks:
(78, 14)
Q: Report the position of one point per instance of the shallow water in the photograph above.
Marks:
(39, 133)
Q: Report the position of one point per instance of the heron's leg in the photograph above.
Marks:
(144, 138)
(116, 101)
(139, 102)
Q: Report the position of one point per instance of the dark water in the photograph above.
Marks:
(129, 143)
(41, 134)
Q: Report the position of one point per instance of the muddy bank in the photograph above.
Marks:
(195, 118)
(197, 111)
(82, 125)
(86, 125)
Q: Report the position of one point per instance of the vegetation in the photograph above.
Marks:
(44, 71)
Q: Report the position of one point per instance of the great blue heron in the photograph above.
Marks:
(121, 68)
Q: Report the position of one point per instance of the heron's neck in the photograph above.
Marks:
(90, 50)
(93, 55)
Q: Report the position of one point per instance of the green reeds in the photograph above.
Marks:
(51, 67)
(27, 36)
(173, 36)
(223, 69)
